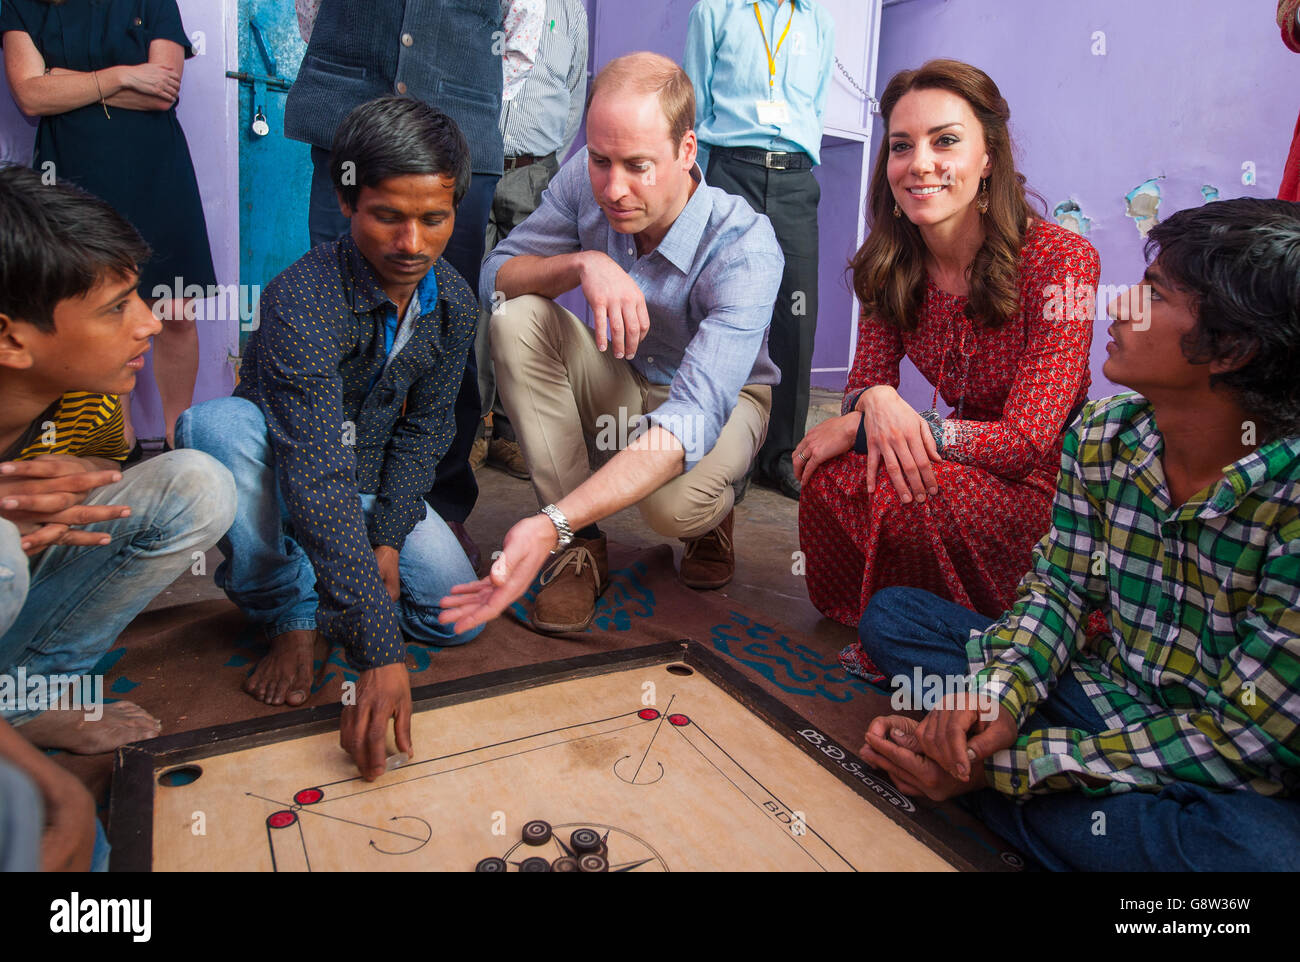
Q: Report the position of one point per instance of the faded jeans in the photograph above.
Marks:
(80, 598)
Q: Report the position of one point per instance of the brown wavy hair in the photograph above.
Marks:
(889, 269)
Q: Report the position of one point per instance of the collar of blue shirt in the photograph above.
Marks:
(682, 241)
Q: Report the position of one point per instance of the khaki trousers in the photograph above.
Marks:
(560, 391)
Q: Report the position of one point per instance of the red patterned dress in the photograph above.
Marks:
(1286, 19)
(1016, 386)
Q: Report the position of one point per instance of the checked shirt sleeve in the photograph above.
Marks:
(1030, 647)
(1246, 737)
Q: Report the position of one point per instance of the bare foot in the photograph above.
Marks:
(285, 675)
(122, 722)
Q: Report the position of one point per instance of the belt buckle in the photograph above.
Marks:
(768, 160)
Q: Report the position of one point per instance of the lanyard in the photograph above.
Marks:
(771, 57)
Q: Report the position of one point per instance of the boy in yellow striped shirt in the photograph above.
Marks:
(84, 546)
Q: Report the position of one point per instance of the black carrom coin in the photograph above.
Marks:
(537, 832)
(534, 865)
(584, 840)
(491, 865)
(593, 863)
(565, 864)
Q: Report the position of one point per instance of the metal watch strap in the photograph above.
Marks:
(563, 532)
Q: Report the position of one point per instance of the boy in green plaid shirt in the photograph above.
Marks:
(1170, 739)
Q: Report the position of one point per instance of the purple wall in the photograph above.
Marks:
(208, 115)
(1186, 93)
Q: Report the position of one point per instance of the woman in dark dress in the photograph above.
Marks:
(104, 76)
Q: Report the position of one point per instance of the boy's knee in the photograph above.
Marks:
(885, 613)
(203, 488)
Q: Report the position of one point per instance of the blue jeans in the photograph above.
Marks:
(22, 821)
(1183, 827)
(80, 598)
(268, 574)
(13, 574)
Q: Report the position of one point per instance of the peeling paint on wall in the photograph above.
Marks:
(1143, 205)
(1069, 215)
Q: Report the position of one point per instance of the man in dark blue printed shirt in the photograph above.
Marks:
(342, 413)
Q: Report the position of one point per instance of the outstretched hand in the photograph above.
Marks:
(45, 497)
(527, 546)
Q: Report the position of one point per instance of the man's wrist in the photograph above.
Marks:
(563, 531)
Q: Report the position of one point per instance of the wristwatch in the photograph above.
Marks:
(563, 532)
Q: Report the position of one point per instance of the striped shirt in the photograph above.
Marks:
(1199, 678)
(545, 109)
(80, 424)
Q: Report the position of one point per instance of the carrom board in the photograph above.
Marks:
(676, 760)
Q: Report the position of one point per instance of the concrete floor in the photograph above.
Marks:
(766, 537)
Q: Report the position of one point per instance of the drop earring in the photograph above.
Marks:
(898, 211)
(982, 202)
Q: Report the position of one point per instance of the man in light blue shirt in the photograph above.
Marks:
(681, 278)
(761, 73)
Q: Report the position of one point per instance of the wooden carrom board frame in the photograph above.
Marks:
(137, 766)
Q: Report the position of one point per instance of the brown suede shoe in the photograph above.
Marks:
(478, 454)
(570, 585)
(709, 561)
(507, 456)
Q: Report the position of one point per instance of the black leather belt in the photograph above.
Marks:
(523, 160)
(771, 159)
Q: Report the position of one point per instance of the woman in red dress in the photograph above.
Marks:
(1288, 18)
(995, 307)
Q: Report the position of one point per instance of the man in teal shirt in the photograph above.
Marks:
(761, 73)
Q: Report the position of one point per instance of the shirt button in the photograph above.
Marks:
(649, 360)
(631, 251)
(1167, 616)
(407, 40)
(401, 87)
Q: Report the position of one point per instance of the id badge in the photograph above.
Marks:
(773, 111)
